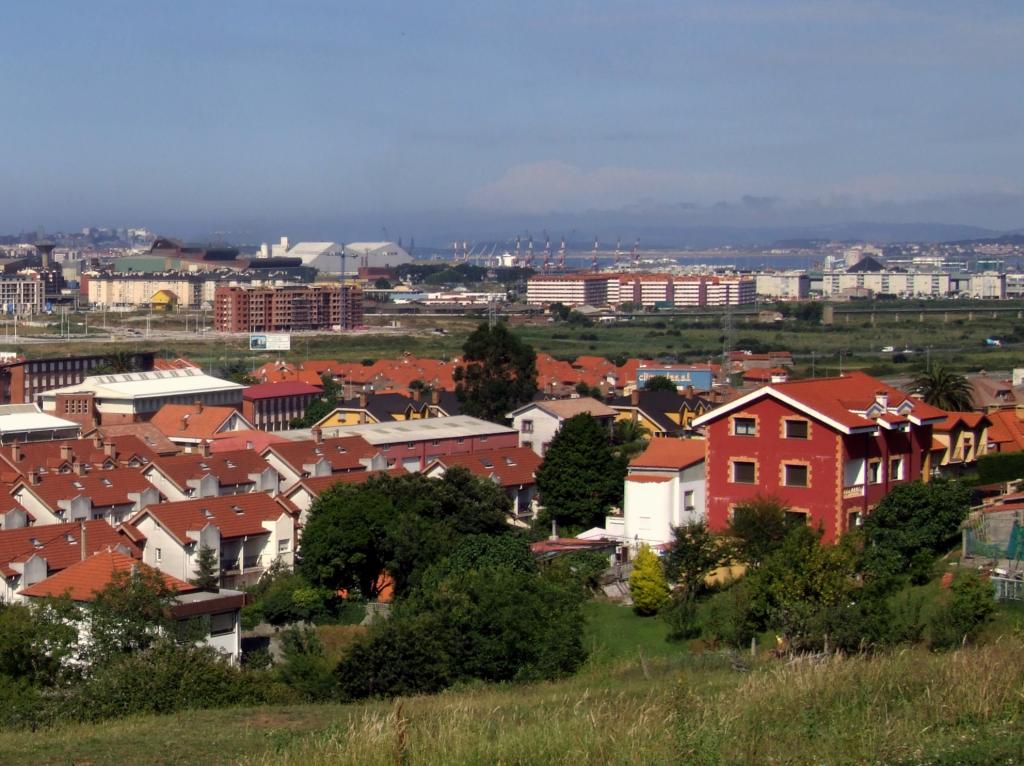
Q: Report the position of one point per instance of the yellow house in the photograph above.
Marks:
(662, 413)
(960, 439)
(383, 408)
(163, 300)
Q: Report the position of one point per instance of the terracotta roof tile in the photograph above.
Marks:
(670, 454)
(283, 388)
(234, 515)
(104, 488)
(230, 468)
(343, 453)
(191, 421)
(59, 544)
(84, 579)
(512, 466)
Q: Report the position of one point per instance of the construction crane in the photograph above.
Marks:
(618, 251)
(529, 251)
(547, 252)
(561, 255)
(517, 253)
(636, 253)
(593, 257)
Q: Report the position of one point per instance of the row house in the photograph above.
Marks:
(112, 495)
(183, 477)
(29, 555)
(958, 441)
(513, 469)
(18, 461)
(248, 533)
(219, 612)
(318, 456)
(828, 448)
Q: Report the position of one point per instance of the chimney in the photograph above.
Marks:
(199, 405)
(882, 399)
(66, 453)
(435, 396)
(81, 536)
(78, 468)
(97, 440)
(689, 392)
(362, 400)
(33, 477)
(204, 448)
(634, 397)
(16, 453)
(416, 394)
(110, 450)
(318, 435)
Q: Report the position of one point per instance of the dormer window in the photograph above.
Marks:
(207, 513)
(105, 482)
(77, 485)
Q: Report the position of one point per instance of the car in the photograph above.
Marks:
(887, 349)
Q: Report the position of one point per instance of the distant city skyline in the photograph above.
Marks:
(663, 120)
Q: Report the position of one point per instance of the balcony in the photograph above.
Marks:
(855, 491)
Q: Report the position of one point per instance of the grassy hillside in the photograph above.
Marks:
(639, 701)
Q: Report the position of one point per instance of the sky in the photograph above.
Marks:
(348, 120)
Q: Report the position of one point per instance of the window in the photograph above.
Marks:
(527, 444)
(853, 472)
(853, 519)
(796, 517)
(221, 624)
(744, 472)
(159, 555)
(797, 429)
(688, 500)
(527, 426)
(794, 475)
(744, 427)
(896, 469)
(874, 472)
(283, 545)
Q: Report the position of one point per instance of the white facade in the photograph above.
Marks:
(123, 290)
(783, 285)
(905, 284)
(326, 256)
(656, 500)
(990, 285)
(21, 294)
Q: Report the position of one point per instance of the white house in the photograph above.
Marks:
(112, 495)
(248, 534)
(183, 477)
(538, 422)
(664, 489)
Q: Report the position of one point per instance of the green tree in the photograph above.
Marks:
(399, 525)
(647, 585)
(129, 615)
(498, 373)
(944, 389)
(694, 554)
(759, 526)
(580, 478)
(660, 383)
(117, 362)
(207, 575)
(237, 371)
(304, 668)
(36, 641)
(913, 519)
(559, 311)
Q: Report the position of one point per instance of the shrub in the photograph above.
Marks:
(304, 668)
(971, 606)
(681, 615)
(647, 584)
(728, 618)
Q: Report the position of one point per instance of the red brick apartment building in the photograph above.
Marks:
(829, 448)
(250, 308)
(273, 406)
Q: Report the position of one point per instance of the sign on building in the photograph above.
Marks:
(270, 341)
(700, 379)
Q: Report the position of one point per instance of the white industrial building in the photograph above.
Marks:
(326, 256)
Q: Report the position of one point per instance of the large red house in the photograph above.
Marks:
(829, 448)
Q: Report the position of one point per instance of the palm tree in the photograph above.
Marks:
(944, 389)
(117, 362)
(629, 438)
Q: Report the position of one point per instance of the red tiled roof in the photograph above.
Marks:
(180, 363)
(257, 441)
(191, 421)
(669, 453)
(343, 453)
(283, 388)
(317, 485)
(513, 466)
(1006, 430)
(59, 544)
(234, 515)
(230, 468)
(46, 455)
(84, 579)
(104, 488)
(836, 399)
(145, 431)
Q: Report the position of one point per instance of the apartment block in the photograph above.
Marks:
(248, 308)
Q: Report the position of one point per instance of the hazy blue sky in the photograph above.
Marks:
(338, 118)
